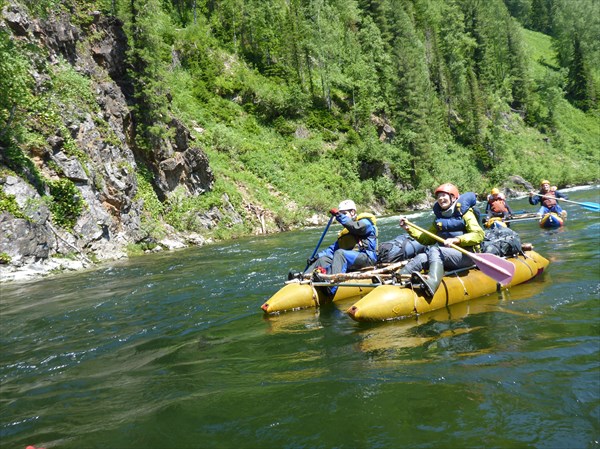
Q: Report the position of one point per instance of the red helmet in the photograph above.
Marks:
(448, 188)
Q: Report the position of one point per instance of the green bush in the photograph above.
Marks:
(5, 259)
(322, 119)
(66, 204)
(10, 205)
(71, 88)
(152, 205)
(283, 126)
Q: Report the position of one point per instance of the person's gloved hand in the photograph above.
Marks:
(334, 212)
(403, 223)
(311, 260)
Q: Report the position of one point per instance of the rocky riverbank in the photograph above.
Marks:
(91, 150)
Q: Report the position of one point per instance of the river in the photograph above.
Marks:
(171, 350)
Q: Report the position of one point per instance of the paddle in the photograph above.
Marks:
(586, 204)
(513, 220)
(501, 270)
(524, 215)
(320, 240)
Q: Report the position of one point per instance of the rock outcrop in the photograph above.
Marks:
(104, 167)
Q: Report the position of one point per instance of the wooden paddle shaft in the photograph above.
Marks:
(490, 264)
(440, 239)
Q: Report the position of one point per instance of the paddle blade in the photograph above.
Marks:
(591, 206)
(499, 269)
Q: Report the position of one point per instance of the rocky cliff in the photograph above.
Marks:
(93, 149)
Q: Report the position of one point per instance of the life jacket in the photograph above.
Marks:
(354, 242)
(454, 225)
(497, 204)
(549, 202)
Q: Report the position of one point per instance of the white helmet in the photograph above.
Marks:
(347, 205)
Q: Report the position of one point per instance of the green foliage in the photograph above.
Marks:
(10, 205)
(289, 99)
(15, 84)
(43, 8)
(71, 89)
(152, 209)
(134, 250)
(580, 88)
(5, 259)
(445, 75)
(284, 127)
(151, 37)
(66, 204)
(540, 15)
(16, 160)
(324, 120)
(152, 206)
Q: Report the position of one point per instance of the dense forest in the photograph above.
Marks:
(301, 103)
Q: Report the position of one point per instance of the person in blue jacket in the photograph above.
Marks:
(456, 226)
(451, 220)
(548, 197)
(355, 247)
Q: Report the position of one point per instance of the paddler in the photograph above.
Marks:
(497, 205)
(355, 247)
(548, 197)
(436, 259)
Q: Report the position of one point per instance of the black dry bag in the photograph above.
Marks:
(403, 247)
(501, 241)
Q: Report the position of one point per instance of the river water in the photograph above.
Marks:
(172, 351)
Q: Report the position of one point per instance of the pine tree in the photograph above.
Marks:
(456, 47)
(518, 66)
(378, 11)
(580, 88)
(520, 10)
(413, 95)
(541, 16)
(147, 56)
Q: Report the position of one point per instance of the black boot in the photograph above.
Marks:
(433, 280)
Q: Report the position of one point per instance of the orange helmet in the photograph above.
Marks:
(544, 181)
(448, 188)
(495, 191)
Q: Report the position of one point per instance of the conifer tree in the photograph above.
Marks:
(518, 66)
(378, 11)
(413, 94)
(457, 48)
(541, 16)
(520, 10)
(294, 32)
(147, 55)
(580, 87)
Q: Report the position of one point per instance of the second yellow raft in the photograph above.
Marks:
(388, 302)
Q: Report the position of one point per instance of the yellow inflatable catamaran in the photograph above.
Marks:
(383, 296)
(393, 301)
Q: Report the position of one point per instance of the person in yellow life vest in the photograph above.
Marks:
(355, 247)
(548, 197)
(436, 258)
(497, 205)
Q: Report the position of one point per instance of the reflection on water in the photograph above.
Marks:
(405, 333)
(298, 321)
(172, 350)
